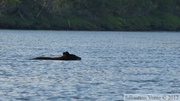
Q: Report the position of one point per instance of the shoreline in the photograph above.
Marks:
(91, 30)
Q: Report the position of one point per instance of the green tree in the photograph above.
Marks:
(7, 6)
(132, 8)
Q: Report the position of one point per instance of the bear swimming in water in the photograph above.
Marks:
(66, 56)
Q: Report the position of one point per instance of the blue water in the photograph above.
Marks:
(113, 64)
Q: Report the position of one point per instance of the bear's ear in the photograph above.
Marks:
(67, 52)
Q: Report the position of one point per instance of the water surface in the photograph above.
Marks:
(113, 64)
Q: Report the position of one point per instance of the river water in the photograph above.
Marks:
(113, 64)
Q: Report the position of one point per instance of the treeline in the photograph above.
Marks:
(90, 14)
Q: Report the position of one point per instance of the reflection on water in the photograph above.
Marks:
(113, 64)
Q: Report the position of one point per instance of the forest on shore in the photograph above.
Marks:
(112, 15)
